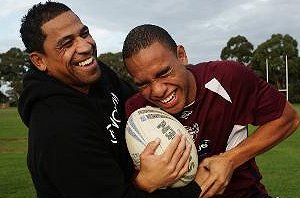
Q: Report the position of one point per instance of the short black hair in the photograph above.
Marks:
(145, 35)
(31, 32)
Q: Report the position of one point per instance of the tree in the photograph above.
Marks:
(275, 50)
(115, 62)
(13, 65)
(239, 49)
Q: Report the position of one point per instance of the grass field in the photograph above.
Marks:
(280, 166)
(15, 181)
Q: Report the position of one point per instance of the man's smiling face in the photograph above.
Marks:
(70, 52)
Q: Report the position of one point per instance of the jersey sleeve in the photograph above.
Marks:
(269, 103)
(254, 100)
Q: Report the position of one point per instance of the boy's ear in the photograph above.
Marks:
(38, 60)
(181, 55)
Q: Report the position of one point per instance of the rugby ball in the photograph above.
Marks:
(148, 123)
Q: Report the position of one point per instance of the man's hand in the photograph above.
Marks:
(220, 169)
(201, 176)
(158, 171)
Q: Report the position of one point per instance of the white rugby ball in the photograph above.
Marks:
(148, 123)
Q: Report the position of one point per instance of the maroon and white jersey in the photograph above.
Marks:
(229, 97)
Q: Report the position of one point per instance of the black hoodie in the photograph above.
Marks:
(76, 145)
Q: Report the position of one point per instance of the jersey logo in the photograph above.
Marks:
(185, 114)
(215, 86)
(204, 148)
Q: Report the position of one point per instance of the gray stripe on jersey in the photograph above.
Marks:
(237, 135)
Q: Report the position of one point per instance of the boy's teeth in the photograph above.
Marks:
(86, 62)
(168, 99)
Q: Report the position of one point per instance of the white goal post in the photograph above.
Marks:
(286, 77)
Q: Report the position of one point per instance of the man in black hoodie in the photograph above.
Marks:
(74, 109)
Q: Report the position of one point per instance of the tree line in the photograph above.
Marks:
(14, 63)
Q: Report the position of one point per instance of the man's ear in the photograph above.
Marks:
(38, 60)
(181, 55)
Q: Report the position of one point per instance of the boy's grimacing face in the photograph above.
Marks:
(162, 77)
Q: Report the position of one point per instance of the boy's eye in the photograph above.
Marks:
(165, 73)
(85, 34)
(142, 85)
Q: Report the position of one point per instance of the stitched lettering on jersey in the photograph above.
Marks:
(215, 86)
(114, 118)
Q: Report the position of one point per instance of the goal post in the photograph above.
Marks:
(286, 90)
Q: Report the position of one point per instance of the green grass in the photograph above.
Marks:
(280, 166)
(11, 124)
(15, 181)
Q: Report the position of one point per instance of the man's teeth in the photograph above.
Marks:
(86, 62)
(170, 98)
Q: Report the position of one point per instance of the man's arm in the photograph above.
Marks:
(264, 138)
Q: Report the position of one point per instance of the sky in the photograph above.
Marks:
(203, 27)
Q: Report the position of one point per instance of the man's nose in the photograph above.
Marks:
(83, 45)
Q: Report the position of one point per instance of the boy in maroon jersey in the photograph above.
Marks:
(215, 101)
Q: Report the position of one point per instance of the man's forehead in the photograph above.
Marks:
(64, 23)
